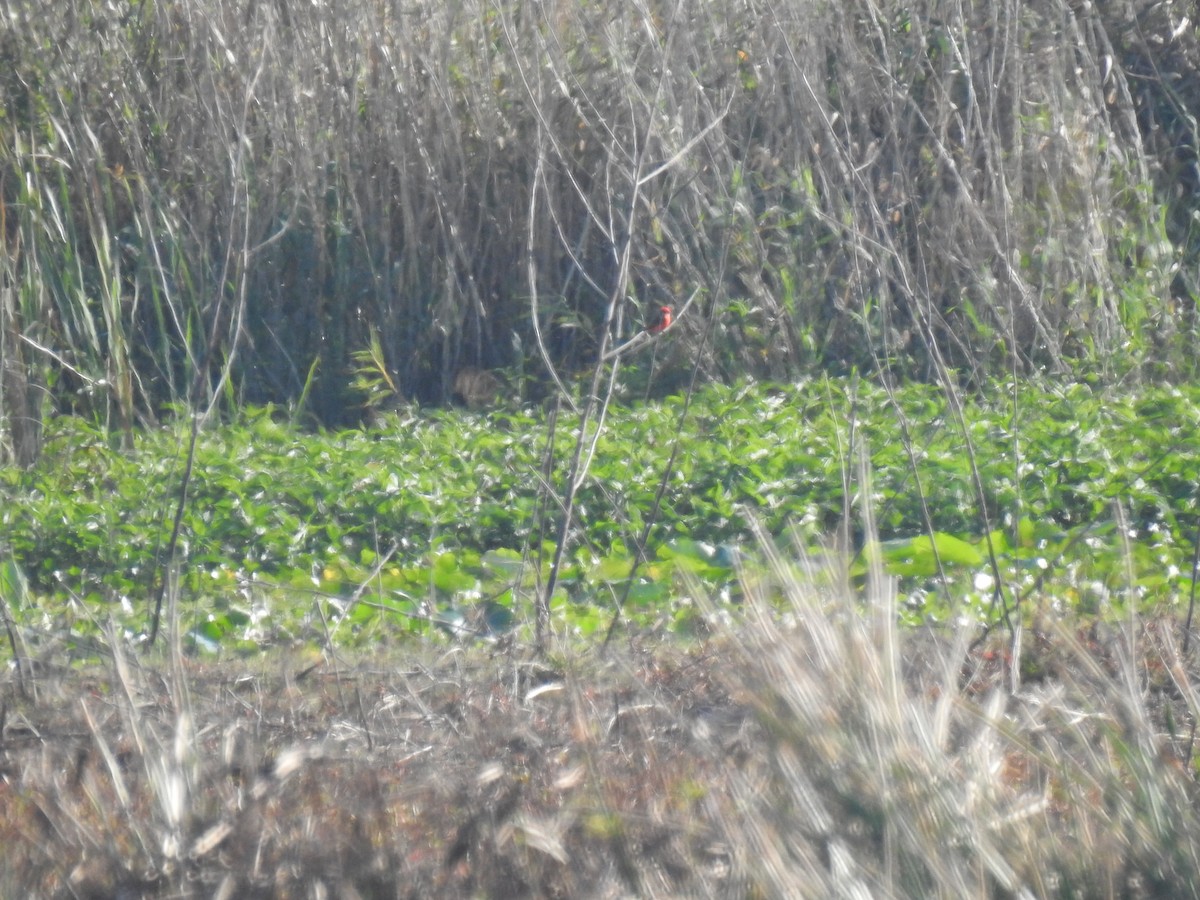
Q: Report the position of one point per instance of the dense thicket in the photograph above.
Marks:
(240, 200)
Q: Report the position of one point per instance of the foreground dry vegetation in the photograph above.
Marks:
(810, 750)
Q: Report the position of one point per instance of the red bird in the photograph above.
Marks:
(662, 322)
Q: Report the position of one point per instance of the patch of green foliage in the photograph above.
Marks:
(442, 521)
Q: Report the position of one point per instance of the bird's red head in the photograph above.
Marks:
(661, 322)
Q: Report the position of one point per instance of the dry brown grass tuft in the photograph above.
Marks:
(1057, 762)
(457, 776)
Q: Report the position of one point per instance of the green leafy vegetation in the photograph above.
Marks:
(1080, 498)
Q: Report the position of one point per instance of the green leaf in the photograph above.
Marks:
(955, 551)
(612, 568)
(508, 562)
(14, 588)
(449, 576)
(916, 556)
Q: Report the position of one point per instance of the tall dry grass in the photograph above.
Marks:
(224, 200)
(904, 763)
